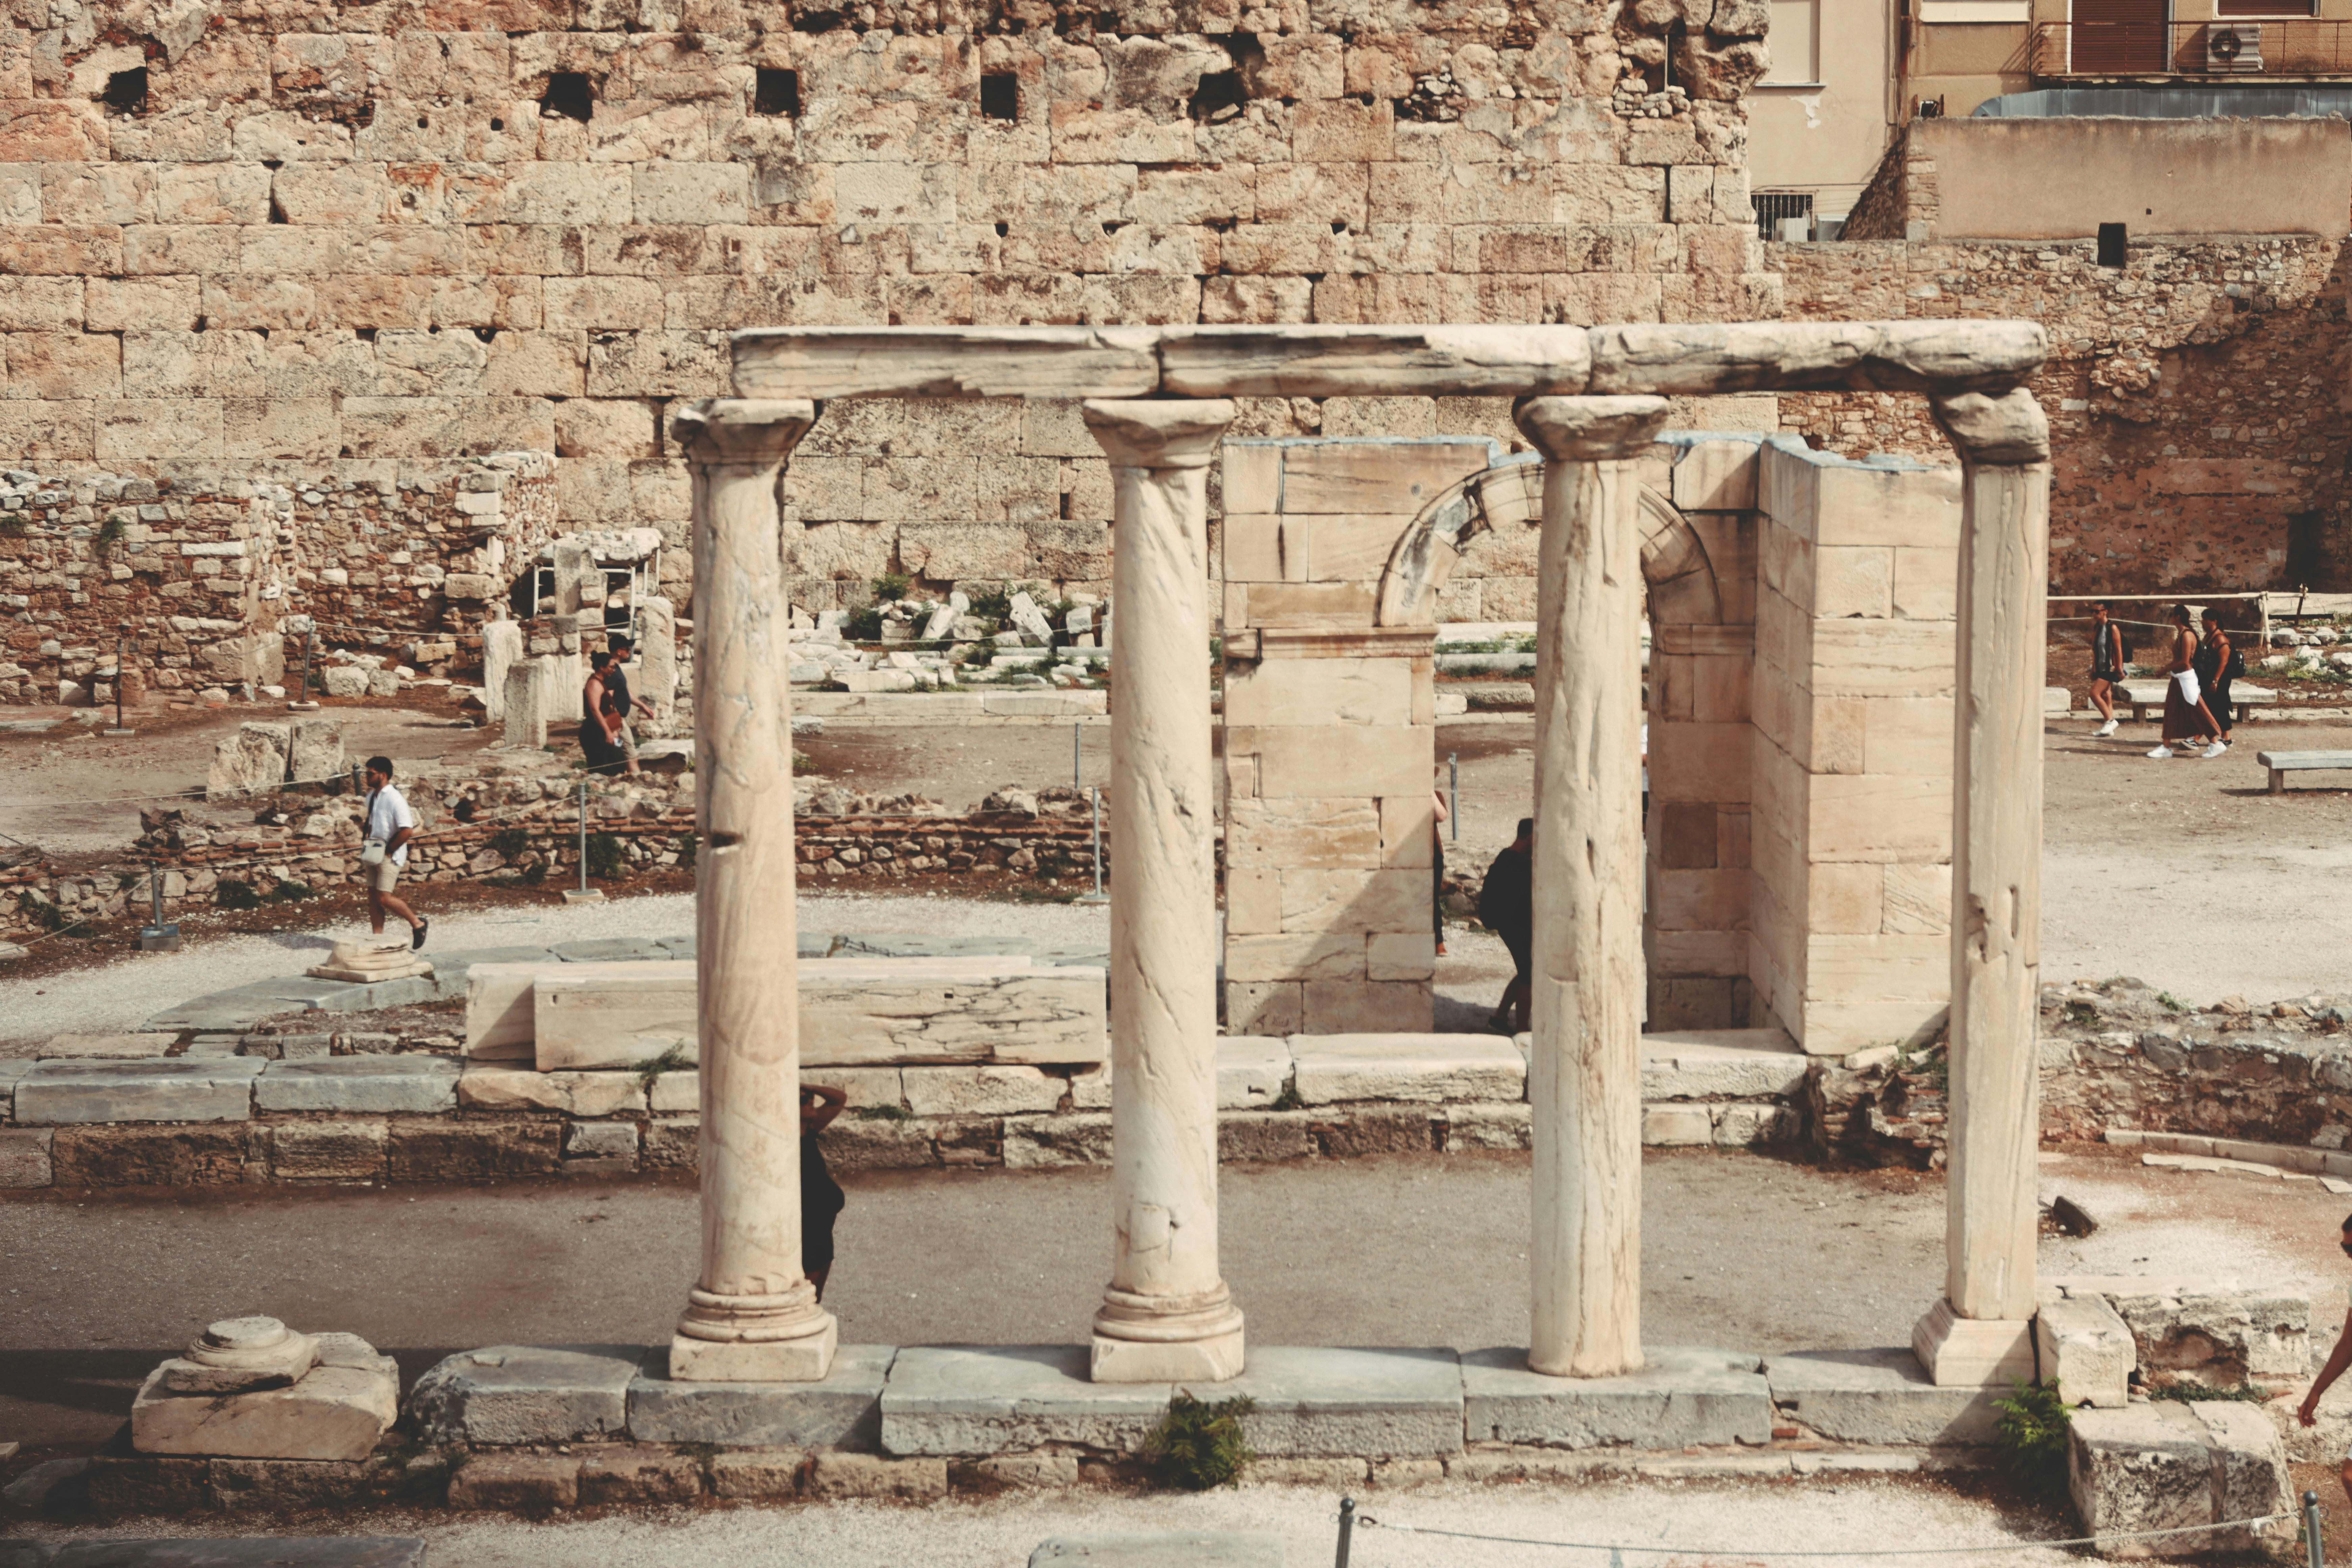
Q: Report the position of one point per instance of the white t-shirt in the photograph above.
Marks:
(388, 813)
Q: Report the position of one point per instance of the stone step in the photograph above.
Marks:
(211, 1089)
(226, 1551)
(361, 1085)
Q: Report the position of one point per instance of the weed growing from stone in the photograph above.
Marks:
(509, 843)
(1199, 1445)
(233, 894)
(605, 859)
(687, 843)
(674, 1059)
(2170, 1003)
(882, 1113)
(2199, 1393)
(2031, 1436)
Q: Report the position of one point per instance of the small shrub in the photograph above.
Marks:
(2031, 1436)
(801, 764)
(509, 843)
(606, 859)
(1199, 1445)
(110, 532)
(890, 586)
(287, 892)
(674, 1059)
(232, 894)
(994, 605)
(2080, 1012)
(2170, 1003)
(1289, 1098)
(687, 843)
(533, 876)
(2198, 1393)
(864, 625)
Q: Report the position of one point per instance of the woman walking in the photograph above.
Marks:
(600, 722)
(2185, 716)
(2106, 667)
(2218, 663)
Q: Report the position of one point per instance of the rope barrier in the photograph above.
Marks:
(1367, 1523)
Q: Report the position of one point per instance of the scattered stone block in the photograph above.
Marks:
(758, 1473)
(633, 1476)
(240, 1356)
(1161, 1549)
(214, 1089)
(2216, 1337)
(328, 1151)
(958, 1400)
(25, 1156)
(106, 1047)
(1681, 1397)
(359, 1084)
(33, 1489)
(316, 750)
(1331, 1068)
(367, 961)
(2086, 1349)
(511, 1395)
(516, 1482)
(336, 1409)
(1335, 1401)
(250, 761)
(594, 1146)
(842, 1410)
(1878, 1395)
(2164, 1465)
(871, 1475)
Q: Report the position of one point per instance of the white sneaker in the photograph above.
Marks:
(2161, 753)
(2213, 751)
(2104, 731)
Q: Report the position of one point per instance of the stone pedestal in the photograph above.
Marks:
(251, 1388)
(1167, 1314)
(501, 651)
(1982, 1331)
(1585, 1069)
(753, 1316)
(365, 960)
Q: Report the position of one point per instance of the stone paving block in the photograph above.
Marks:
(1680, 1396)
(239, 1008)
(610, 949)
(933, 947)
(246, 1552)
(210, 1089)
(359, 1084)
(405, 992)
(25, 1156)
(1334, 1067)
(953, 1400)
(107, 1048)
(843, 1411)
(1721, 1063)
(525, 1482)
(573, 1093)
(1315, 1399)
(1878, 1395)
(450, 969)
(526, 1394)
(328, 1151)
(2146, 1467)
(2086, 1349)
(870, 1476)
(287, 1047)
(1251, 1071)
(1162, 1549)
(994, 1089)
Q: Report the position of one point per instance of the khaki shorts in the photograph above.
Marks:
(382, 877)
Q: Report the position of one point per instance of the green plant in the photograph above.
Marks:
(994, 605)
(605, 858)
(801, 764)
(509, 843)
(1198, 1444)
(1289, 1098)
(882, 1113)
(687, 844)
(2031, 1436)
(2198, 1393)
(232, 894)
(287, 892)
(14, 524)
(2081, 1012)
(674, 1059)
(110, 532)
(2170, 1003)
(890, 586)
(864, 625)
(533, 876)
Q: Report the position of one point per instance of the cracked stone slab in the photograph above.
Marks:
(1314, 1399)
(843, 1410)
(1682, 1396)
(211, 1089)
(610, 949)
(370, 1083)
(1878, 1395)
(983, 1399)
(526, 1394)
(1332, 1068)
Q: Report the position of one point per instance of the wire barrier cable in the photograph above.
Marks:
(1365, 1522)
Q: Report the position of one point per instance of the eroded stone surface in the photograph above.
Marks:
(526, 1393)
(842, 1411)
(981, 1399)
(335, 1410)
(1680, 1397)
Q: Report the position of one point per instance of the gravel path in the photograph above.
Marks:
(1716, 1520)
(124, 994)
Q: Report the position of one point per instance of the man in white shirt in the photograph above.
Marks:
(391, 823)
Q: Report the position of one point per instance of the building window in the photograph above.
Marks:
(1795, 41)
(776, 93)
(1771, 207)
(1000, 96)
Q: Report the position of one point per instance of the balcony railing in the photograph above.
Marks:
(2229, 50)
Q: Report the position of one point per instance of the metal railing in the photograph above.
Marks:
(2226, 49)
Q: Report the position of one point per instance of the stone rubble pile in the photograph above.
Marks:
(946, 645)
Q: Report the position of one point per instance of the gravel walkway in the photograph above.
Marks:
(124, 994)
(1698, 1522)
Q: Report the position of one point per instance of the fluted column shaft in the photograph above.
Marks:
(1166, 1314)
(1585, 1070)
(753, 1315)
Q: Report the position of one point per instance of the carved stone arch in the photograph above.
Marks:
(1674, 561)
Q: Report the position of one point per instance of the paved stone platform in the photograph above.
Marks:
(1877, 1395)
(1681, 1397)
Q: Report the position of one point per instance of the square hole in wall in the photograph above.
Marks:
(568, 97)
(777, 92)
(1000, 96)
(126, 91)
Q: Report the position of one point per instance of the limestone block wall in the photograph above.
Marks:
(1853, 713)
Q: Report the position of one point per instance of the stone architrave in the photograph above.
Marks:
(1982, 1331)
(753, 1316)
(1166, 1313)
(501, 651)
(657, 659)
(1585, 1069)
(1032, 620)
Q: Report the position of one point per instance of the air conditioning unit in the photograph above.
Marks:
(2233, 47)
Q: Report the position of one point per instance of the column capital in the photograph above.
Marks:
(2006, 428)
(742, 432)
(1159, 433)
(1590, 430)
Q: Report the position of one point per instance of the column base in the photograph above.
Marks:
(1210, 1360)
(1973, 1352)
(804, 1358)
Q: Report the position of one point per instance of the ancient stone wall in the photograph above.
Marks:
(323, 250)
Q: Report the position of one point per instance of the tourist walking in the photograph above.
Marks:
(1507, 903)
(384, 850)
(600, 721)
(1437, 866)
(2106, 666)
(2218, 664)
(2338, 1359)
(626, 703)
(822, 1199)
(2185, 716)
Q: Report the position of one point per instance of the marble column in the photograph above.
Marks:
(1166, 1314)
(1584, 1080)
(1982, 1331)
(753, 1316)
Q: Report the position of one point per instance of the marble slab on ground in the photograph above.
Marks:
(983, 1399)
(1877, 1395)
(610, 949)
(1314, 1399)
(526, 1394)
(1681, 1397)
(1331, 1068)
(1162, 1549)
(1721, 1063)
(244, 1552)
(359, 1084)
(212, 1089)
(887, 946)
(843, 1411)
(107, 1048)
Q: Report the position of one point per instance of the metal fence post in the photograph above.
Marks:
(1347, 1530)
(1093, 793)
(1453, 793)
(1076, 781)
(2311, 1531)
(583, 837)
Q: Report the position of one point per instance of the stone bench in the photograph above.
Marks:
(2143, 695)
(2282, 763)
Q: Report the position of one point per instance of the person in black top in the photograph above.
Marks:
(2218, 663)
(2106, 666)
(599, 742)
(822, 1199)
(1506, 905)
(624, 702)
